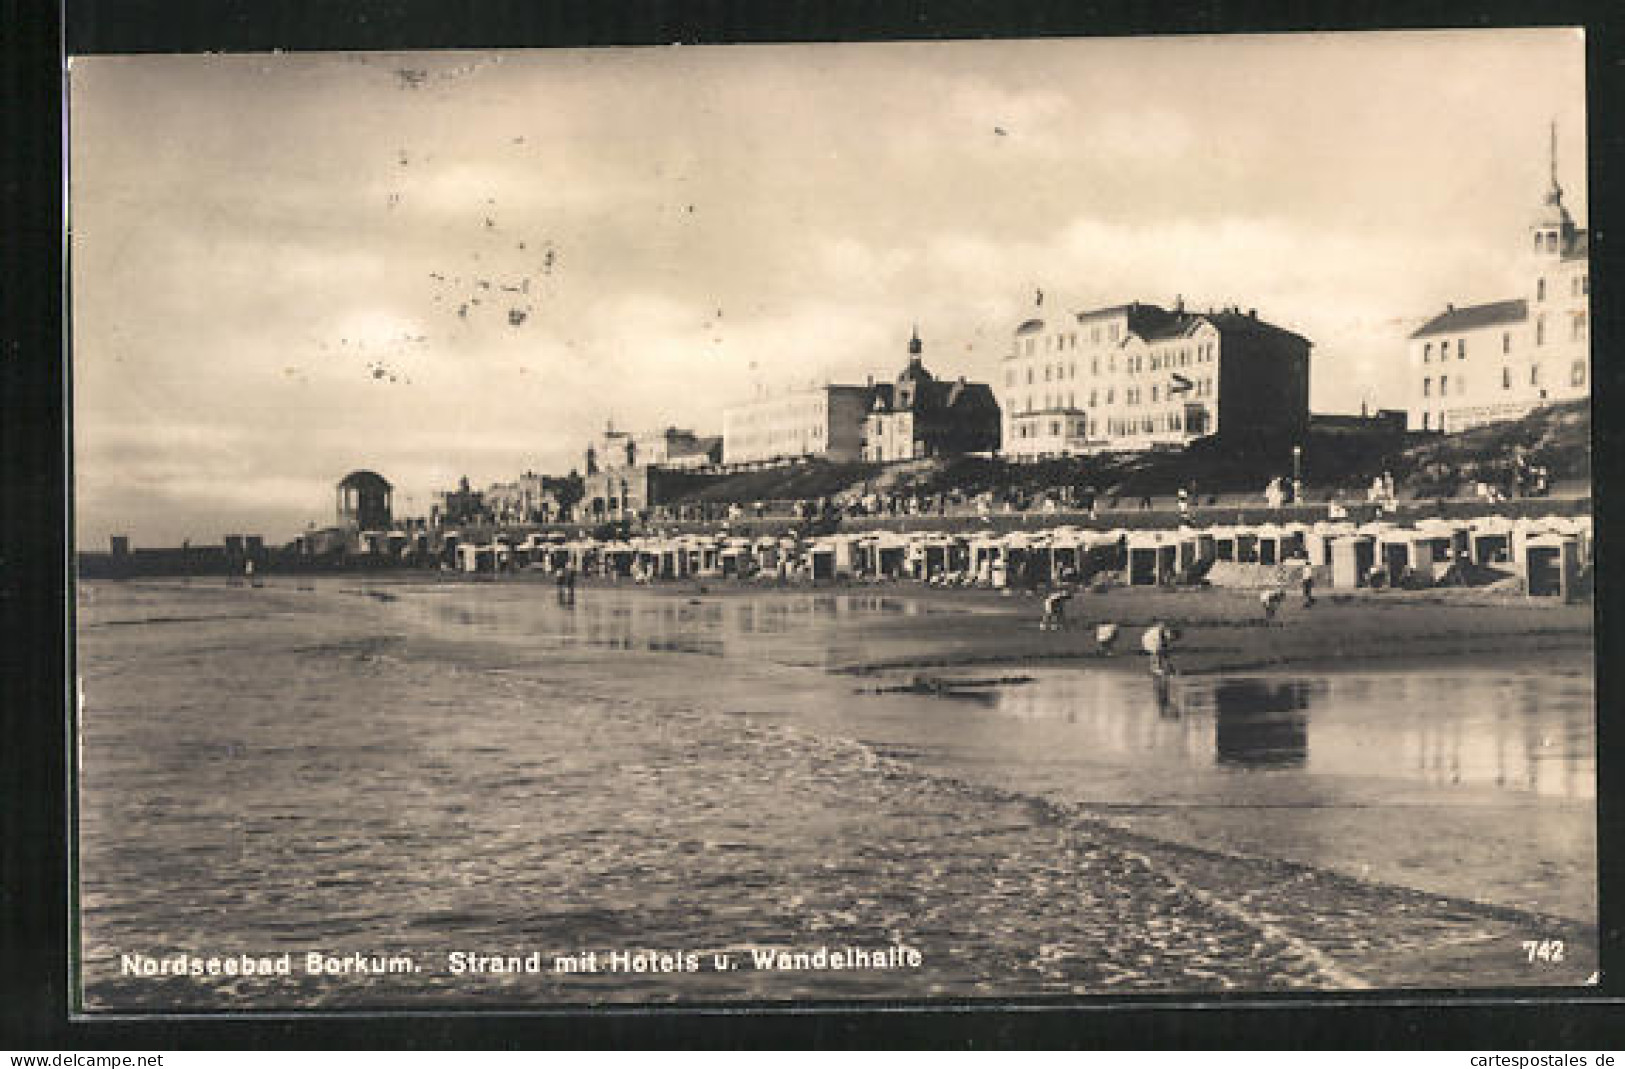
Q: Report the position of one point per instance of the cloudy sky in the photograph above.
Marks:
(436, 264)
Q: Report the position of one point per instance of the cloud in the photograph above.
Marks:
(289, 267)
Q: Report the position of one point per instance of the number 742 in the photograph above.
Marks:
(1547, 950)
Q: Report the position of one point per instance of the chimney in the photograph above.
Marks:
(1252, 313)
(1179, 302)
(1449, 307)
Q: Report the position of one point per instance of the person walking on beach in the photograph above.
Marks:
(1105, 639)
(1158, 642)
(1271, 600)
(1306, 581)
(1055, 611)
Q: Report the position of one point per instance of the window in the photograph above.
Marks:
(1110, 394)
(1427, 353)
(1427, 387)
(1579, 327)
(1577, 373)
(1029, 376)
(1551, 241)
(1427, 418)
(1538, 238)
(1444, 350)
(1585, 285)
(1461, 348)
(1506, 378)
(1055, 428)
(1444, 385)
(1534, 374)
(1153, 395)
(1540, 289)
(1540, 330)
(1029, 346)
(1506, 341)
(1072, 370)
(1046, 372)
(1091, 398)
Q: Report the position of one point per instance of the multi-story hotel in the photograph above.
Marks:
(1137, 376)
(821, 421)
(1489, 362)
(921, 416)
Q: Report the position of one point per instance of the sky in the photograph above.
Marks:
(437, 264)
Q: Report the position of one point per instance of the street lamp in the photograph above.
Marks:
(1297, 463)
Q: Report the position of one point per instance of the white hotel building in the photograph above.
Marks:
(1138, 376)
(1488, 362)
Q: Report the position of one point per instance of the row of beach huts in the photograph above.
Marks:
(1546, 556)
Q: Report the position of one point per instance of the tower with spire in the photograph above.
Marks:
(1477, 364)
(1553, 231)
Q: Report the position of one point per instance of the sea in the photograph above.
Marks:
(342, 793)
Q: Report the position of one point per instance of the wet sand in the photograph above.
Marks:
(368, 766)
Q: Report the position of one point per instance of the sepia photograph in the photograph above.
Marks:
(833, 523)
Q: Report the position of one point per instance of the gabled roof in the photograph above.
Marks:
(1238, 323)
(1474, 316)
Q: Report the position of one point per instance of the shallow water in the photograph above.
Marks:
(427, 769)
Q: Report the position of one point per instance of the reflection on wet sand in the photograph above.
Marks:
(1259, 723)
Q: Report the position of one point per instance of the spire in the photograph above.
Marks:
(1554, 196)
(914, 345)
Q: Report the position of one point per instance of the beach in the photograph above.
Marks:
(1390, 790)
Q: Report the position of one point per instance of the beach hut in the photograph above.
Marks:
(1270, 540)
(987, 560)
(821, 556)
(733, 557)
(1325, 532)
(1448, 537)
(1551, 565)
(1294, 540)
(1352, 556)
(476, 558)
(1153, 558)
(1489, 540)
(765, 552)
(890, 554)
(1402, 549)
(1247, 544)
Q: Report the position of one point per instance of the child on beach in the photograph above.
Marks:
(1105, 639)
(1055, 611)
(1158, 642)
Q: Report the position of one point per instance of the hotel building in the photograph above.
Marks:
(922, 416)
(1489, 362)
(1138, 376)
(821, 421)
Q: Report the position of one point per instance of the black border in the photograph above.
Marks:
(33, 657)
